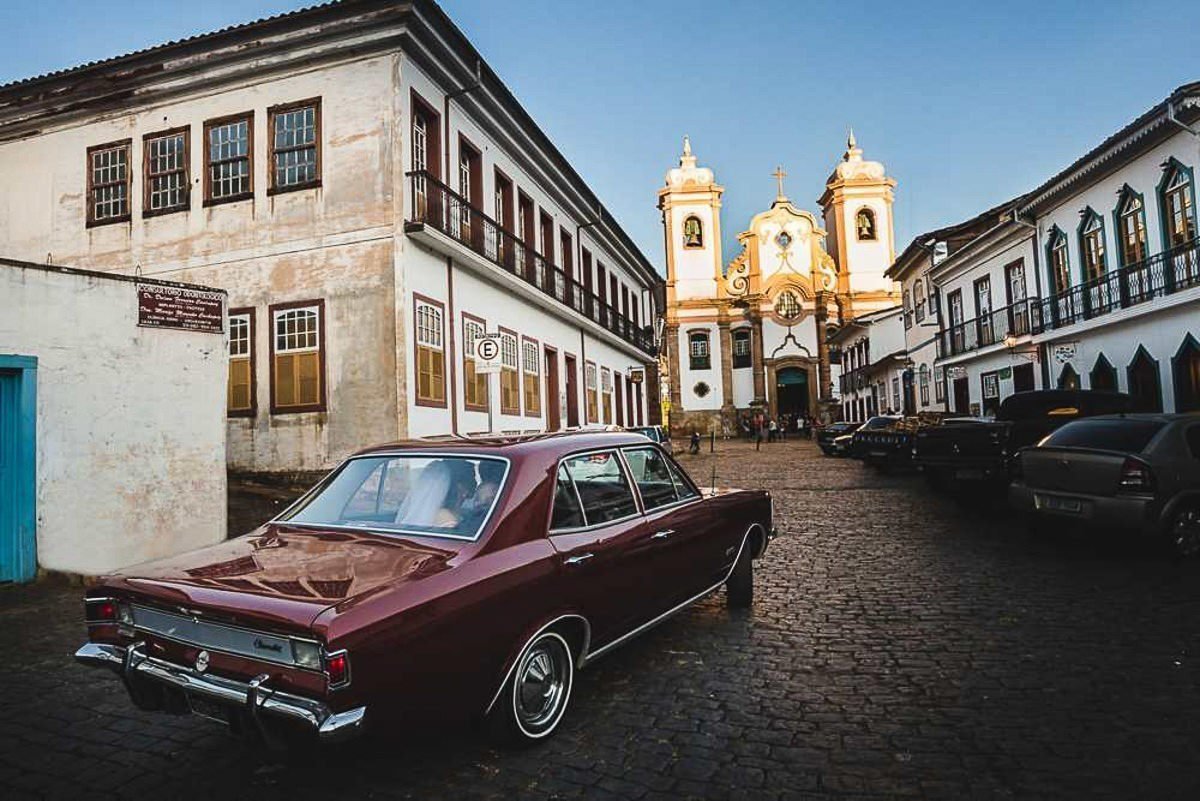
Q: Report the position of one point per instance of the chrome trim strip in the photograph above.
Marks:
(587, 640)
(415, 453)
(316, 715)
(287, 660)
(651, 623)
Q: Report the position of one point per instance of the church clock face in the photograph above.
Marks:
(783, 240)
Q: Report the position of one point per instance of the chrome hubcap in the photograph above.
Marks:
(1186, 532)
(542, 684)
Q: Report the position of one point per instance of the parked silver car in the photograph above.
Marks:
(1139, 472)
(657, 434)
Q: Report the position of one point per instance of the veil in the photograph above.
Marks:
(425, 497)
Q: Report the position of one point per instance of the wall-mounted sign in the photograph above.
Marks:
(637, 376)
(181, 308)
(1064, 352)
(1006, 372)
(487, 354)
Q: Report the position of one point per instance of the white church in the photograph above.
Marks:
(749, 336)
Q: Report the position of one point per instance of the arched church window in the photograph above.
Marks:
(698, 351)
(741, 348)
(693, 232)
(864, 225)
(787, 306)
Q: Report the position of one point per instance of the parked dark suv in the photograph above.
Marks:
(1139, 472)
(827, 434)
(980, 451)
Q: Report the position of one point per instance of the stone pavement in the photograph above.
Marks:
(901, 645)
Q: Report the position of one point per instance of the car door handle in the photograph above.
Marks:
(575, 560)
(662, 535)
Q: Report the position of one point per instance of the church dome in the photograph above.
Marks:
(853, 167)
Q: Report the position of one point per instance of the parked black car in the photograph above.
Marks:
(980, 451)
(867, 435)
(827, 434)
(1138, 472)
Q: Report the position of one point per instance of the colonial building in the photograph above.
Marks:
(1090, 281)
(750, 335)
(1120, 262)
(874, 364)
(985, 350)
(373, 198)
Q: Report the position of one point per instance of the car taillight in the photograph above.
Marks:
(1136, 476)
(337, 669)
(100, 610)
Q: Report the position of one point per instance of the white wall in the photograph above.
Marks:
(689, 378)
(130, 422)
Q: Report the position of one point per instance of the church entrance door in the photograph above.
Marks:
(791, 392)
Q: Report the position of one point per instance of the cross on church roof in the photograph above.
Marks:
(779, 176)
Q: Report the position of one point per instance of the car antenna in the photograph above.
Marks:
(714, 478)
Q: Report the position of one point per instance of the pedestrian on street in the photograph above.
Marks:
(772, 429)
(694, 445)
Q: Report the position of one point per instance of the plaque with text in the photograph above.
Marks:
(181, 308)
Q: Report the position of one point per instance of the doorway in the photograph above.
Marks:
(791, 392)
(18, 420)
(572, 391)
(962, 396)
(553, 412)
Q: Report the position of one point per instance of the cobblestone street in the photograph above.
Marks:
(901, 645)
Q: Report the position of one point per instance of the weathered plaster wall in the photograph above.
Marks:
(130, 422)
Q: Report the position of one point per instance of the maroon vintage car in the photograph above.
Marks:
(429, 580)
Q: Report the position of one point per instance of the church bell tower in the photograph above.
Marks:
(857, 204)
(690, 203)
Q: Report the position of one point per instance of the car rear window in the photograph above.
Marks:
(1130, 436)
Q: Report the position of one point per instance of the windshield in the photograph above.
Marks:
(1130, 436)
(445, 496)
(880, 422)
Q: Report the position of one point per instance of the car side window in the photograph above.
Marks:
(567, 512)
(602, 487)
(652, 477)
(1193, 441)
(683, 487)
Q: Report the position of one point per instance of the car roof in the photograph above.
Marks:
(504, 445)
(1158, 417)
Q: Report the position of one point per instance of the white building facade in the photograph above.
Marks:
(373, 198)
(874, 363)
(112, 428)
(1120, 277)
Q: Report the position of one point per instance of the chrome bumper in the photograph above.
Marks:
(255, 697)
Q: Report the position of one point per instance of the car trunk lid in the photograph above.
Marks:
(1077, 470)
(281, 577)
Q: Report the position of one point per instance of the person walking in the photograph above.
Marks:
(694, 444)
(772, 430)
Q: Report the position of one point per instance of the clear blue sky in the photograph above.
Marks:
(966, 103)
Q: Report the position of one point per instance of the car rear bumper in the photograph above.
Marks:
(261, 704)
(1131, 512)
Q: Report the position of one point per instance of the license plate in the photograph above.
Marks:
(878, 454)
(1057, 504)
(968, 475)
(209, 709)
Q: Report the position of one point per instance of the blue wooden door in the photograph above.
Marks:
(16, 476)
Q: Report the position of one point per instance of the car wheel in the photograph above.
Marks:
(739, 587)
(1184, 531)
(537, 693)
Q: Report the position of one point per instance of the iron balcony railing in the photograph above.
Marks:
(986, 329)
(436, 205)
(1160, 275)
